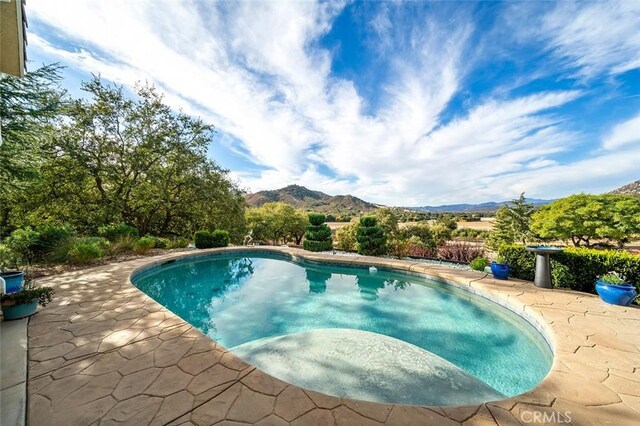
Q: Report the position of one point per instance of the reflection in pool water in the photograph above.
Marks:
(236, 300)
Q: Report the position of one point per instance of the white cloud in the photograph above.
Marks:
(254, 69)
(625, 133)
(595, 36)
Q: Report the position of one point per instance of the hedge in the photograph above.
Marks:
(206, 239)
(575, 268)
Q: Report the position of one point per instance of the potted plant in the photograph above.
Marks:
(500, 271)
(613, 289)
(9, 269)
(24, 303)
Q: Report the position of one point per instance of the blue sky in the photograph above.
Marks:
(398, 103)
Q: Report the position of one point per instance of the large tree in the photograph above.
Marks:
(134, 160)
(582, 218)
(29, 108)
(512, 223)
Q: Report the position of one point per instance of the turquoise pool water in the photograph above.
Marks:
(239, 298)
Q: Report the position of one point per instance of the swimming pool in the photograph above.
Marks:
(240, 298)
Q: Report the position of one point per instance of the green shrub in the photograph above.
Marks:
(143, 245)
(159, 242)
(371, 238)
(83, 253)
(574, 268)
(220, 238)
(116, 231)
(178, 243)
(61, 252)
(318, 236)
(479, 263)
(316, 219)
(9, 259)
(346, 237)
(21, 241)
(310, 245)
(422, 231)
(203, 239)
(123, 244)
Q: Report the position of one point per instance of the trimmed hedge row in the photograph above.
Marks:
(574, 268)
(206, 239)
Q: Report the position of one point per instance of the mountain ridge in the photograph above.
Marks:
(307, 199)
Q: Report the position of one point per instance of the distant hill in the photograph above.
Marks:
(632, 188)
(488, 207)
(307, 199)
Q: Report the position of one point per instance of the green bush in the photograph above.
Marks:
(574, 268)
(371, 238)
(318, 236)
(479, 263)
(83, 253)
(310, 245)
(143, 245)
(9, 259)
(203, 239)
(116, 231)
(159, 242)
(220, 238)
(21, 241)
(178, 243)
(346, 237)
(316, 219)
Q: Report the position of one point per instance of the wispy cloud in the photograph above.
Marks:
(259, 72)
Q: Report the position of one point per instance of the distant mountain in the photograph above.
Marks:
(632, 188)
(488, 207)
(307, 199)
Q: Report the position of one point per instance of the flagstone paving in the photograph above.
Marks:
(105, 353)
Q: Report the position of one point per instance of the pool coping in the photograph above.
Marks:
(89, 349)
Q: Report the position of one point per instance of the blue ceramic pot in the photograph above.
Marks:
(500, 271)
(13, 280)
(622, 294)
(19, 311)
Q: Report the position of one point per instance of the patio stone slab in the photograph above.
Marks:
(103, 352)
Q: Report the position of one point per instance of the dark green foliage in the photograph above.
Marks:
(368, 221)
(220, 238)
(62, 251)
(203, 239)
(371, 238)
(316, 219)
(318, 236)
(479, 263)
(317, 245)
(114, 232)
(143, 245)
(28, 294)
(575, 268)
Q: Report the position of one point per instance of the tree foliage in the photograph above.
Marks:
(115, 159)
(582, 218)
(276, 222)
(318, 236)
(29, 109)
(371, 237)
(512, 224)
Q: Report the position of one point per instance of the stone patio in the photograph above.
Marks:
(105, 353)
